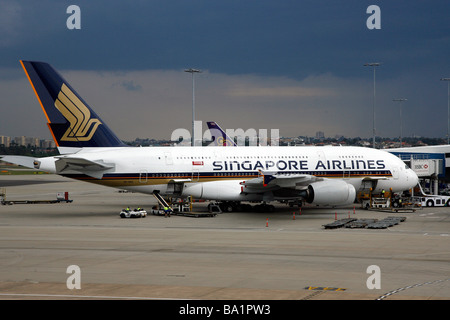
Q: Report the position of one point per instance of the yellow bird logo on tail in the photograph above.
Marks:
(82, 127)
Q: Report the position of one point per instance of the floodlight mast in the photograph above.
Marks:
(373, 64)
(448, 108)
(193, 71)
(401, 122)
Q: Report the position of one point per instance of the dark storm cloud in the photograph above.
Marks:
(304, 58)
(295, 38)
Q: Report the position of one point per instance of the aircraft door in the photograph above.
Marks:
(366, 185)
(143, 176)
(395, 171)
(195, 175)
(321, 156)
(168, 158)
(175, 188)
(346, 174)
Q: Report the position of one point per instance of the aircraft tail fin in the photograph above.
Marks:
(71, 121)
(219, 136)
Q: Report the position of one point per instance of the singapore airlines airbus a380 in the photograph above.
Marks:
(90, 151)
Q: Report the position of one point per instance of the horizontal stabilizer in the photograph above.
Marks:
(20, 160)
(91, 168)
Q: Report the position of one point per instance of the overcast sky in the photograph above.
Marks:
(296, 66)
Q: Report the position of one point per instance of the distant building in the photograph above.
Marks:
(32, 141)
(47, 144)
(5, 141)
(27, 141)
(320, 135)
(20, 141)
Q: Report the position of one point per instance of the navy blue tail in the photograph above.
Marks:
(70, 119)
(220, 138)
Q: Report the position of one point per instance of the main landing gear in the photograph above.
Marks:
(235, 206)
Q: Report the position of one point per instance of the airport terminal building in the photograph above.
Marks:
(431, 164)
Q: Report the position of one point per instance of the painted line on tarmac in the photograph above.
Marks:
(43, 295)
(390, 293)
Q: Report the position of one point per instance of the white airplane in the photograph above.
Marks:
(90, 151)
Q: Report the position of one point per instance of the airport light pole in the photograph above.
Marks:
(373, 64)
(193, 71)
(448, 108)
(401, 122)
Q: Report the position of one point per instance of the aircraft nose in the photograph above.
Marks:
(413, 177)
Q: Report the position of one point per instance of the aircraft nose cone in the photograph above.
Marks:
(413, 177)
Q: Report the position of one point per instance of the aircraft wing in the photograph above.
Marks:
(92, 168)
(375, 178)
(267, 181)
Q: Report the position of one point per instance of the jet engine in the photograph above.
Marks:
(330, 192)
(229, 190)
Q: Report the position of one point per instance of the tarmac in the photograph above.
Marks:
(237, 256)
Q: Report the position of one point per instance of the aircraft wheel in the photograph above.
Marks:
(226, 207)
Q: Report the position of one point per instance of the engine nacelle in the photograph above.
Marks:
(331, 192)
(218, 190)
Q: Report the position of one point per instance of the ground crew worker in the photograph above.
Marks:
(167, 211)
(382, 192)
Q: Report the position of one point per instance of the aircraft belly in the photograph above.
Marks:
(147, 189)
